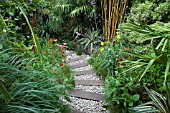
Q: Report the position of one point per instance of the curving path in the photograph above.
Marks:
(87, 96)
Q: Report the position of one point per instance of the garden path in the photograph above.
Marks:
(87, 96)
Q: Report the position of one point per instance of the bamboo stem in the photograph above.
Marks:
(113, 13)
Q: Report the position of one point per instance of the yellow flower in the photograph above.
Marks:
(102, 49)
(98, 55)
(102, 43)
(118, 36)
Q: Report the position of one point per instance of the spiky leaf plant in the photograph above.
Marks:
(91, 39)
(159, 35)
(158, 103)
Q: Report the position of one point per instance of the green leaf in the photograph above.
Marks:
(148, 66)
(131, 104)
(1, 46)
(4, 92)
(136, 97)
(156, 100)
(167, 71)
(160, 43)
(11, 13)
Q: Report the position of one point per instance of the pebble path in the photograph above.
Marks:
(84, 105)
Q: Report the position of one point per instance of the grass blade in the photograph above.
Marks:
(37, 45)
(4, 92)
(148, 66)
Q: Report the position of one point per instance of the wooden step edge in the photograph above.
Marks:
(83, 64)
(86, 72)
(77, 58)
(90, 82)
(70, 52)
(87, 95)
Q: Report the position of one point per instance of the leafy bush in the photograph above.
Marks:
(108, 57)
(33, 89)
(121, 92)
(160, 47)
(149, 12)
(36, 93)
(16, 24)
(69, 16)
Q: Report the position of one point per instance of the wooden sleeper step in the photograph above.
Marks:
(70, 52)
(84, 64)
(87, 95)
(84, 72)
(77, 58)
(90, 82)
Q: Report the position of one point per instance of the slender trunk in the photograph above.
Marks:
(113, 13)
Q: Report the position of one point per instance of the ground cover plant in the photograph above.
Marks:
(33, 89)
(33, 74)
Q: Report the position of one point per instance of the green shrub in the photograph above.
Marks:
(150, 12)
(34, 88)
(107, 60)
(121, 92)
(36, 93)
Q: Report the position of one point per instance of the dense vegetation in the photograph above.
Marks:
(129, 44)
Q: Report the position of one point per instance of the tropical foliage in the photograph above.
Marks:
(138, 55)
(160, 44)
(33, 74)
(129, 44)
(158, 104)
(91, 39)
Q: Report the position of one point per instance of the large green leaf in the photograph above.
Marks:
(158, 103)
(167, 71)
(147, 67)
(1, 46)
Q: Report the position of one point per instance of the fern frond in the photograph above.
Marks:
(78, 10)
(63, 8)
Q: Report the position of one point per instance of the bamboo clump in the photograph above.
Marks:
(113, 13)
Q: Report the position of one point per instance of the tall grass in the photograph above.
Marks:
(33, 90)
(37, 45)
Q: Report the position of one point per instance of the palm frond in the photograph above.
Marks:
(79, 10)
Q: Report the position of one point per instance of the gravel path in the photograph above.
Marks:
(94, 89)
(85, 105)
(83, 68)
